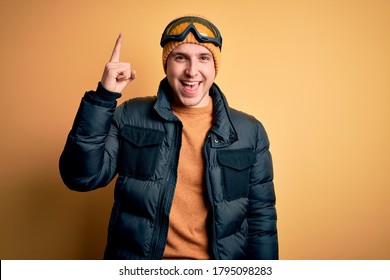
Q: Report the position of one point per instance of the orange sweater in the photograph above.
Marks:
(187, 234)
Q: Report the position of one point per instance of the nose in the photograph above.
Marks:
(192, 68)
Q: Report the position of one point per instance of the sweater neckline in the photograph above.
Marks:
(193, 111)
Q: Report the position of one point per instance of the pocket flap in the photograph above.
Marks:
(236, 159)
(142, 137)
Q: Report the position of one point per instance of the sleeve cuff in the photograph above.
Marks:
(102, 97)
(105, 95)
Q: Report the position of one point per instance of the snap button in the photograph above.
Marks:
(216, 141)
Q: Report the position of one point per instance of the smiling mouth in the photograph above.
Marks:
(192, 86)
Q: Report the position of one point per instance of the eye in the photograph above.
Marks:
(206, 58)
(179, 57)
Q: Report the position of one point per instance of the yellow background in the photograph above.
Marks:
(316, 73)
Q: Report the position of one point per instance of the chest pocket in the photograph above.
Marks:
(139, 151)
(235, 165)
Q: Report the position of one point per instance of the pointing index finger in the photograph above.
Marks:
(117, 49)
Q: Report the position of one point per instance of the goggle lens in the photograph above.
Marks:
(204, 31)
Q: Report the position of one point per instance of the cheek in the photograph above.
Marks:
(170, 75)
(208, 71)
(210, 74)
(172, 71)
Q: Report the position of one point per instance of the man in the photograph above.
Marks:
(195, 177)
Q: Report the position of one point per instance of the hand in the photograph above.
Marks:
(117, 75)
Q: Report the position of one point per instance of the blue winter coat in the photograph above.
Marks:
(140, 142)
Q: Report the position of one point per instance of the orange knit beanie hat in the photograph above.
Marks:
(203, 33)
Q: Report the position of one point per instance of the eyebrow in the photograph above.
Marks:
(186, 54)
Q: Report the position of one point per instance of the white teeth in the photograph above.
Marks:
(190, 83)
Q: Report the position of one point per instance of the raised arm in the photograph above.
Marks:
(89, 158)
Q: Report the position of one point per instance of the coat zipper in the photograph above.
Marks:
(165, 202)
(213, 239)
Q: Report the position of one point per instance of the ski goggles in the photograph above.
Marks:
(204, 31)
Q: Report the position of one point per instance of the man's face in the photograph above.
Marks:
(191, 73)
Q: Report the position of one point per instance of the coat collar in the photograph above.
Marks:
(222, 132)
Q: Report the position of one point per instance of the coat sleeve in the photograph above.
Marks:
(89, 158)
(263, 236)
